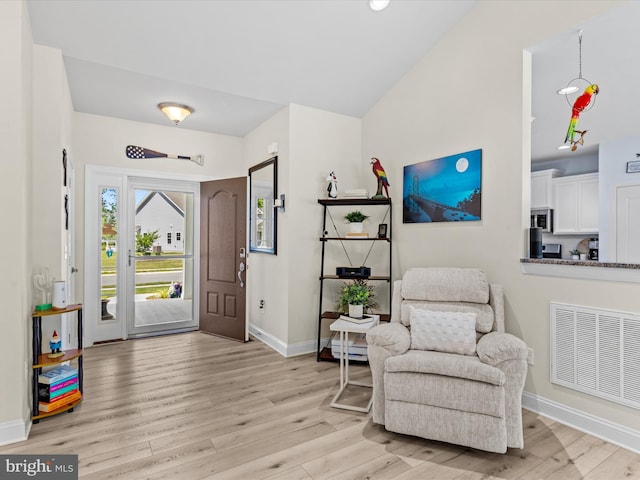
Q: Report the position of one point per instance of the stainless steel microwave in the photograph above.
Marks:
(542, 218)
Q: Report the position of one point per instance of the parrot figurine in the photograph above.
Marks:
(381, 175)
(579, 105)
(332, 188)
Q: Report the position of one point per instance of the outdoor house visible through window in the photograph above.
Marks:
(263, 225)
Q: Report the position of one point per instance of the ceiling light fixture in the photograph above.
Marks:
(175, 111)
(378, 5)
(572, 86)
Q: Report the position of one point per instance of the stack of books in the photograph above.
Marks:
(356, 349)
(57, 388)
(356, 193)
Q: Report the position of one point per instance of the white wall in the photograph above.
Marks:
(267, 275)
(320, 142)
(467, 93)
(614, 156)
(15, 196)
(312, 143)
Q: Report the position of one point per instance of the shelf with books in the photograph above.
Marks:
(41, 360)
(65, 408)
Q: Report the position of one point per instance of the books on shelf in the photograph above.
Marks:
(356, 348)
(357, 235)
(356, 193)
(65, 399)
(59, 373)
(364, 319)
(49, 393)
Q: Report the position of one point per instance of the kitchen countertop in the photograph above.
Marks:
(581, 269)
(580, 263)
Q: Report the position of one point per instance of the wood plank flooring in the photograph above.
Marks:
(194, 406)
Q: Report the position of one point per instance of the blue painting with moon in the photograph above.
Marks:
(447, 189)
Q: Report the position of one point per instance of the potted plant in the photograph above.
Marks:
(355, 220)
(575, 254)
(357, 296)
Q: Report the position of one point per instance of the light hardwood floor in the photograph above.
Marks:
(193, 406)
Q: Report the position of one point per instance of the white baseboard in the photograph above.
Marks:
(598, 427)
(14, 431)
(284, 349)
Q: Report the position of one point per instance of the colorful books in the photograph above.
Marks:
(57, 374)
(65, 399)
(49, 393)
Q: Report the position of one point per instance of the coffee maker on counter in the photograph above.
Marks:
(593, 249)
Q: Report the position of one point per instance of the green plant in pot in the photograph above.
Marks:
(356, 296)
(355, 220)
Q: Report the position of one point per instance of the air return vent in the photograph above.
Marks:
(596, 351)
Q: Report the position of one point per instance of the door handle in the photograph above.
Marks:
(74, 269)
(240, 270)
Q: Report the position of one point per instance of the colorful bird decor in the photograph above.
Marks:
(381, 175)
(582, 102)
(332, 188)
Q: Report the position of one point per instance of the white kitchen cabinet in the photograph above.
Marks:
(575, 203)
(541, 188)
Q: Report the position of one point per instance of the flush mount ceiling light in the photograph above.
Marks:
(378, 5)
(175, 111)
(579, 83)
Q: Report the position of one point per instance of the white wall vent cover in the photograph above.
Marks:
(597, 352)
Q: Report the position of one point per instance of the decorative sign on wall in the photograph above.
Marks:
(447, 189)
(634, 166)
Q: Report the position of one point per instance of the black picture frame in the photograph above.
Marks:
(382, 230)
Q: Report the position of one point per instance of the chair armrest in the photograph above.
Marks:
(496, 347)
(393, 337)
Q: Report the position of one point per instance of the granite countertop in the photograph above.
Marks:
(580, 263)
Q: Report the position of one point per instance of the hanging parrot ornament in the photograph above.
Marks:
(582, 102)
(381, 175)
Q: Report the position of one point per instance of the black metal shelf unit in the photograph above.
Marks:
(325, 353)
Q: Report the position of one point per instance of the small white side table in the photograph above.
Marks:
(346, 327)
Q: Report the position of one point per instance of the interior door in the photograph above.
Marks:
(223, 221)
(628, 224)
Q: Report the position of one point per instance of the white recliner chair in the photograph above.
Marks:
(443, 368)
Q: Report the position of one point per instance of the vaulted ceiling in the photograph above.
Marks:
(236, 62)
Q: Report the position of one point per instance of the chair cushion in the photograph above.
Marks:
(484, 312)
(445, 284)
(449, 364)
(452, 332)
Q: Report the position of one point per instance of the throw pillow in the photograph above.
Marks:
(451, 332)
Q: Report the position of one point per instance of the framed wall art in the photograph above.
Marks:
(447, 189)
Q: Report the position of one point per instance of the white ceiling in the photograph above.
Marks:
(236, 62)
(610, 46)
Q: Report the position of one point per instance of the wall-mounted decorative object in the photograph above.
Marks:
(66, 212)
(263, 188)
(447, 189)
(633, 167)
(64, 167)
(133, 151)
